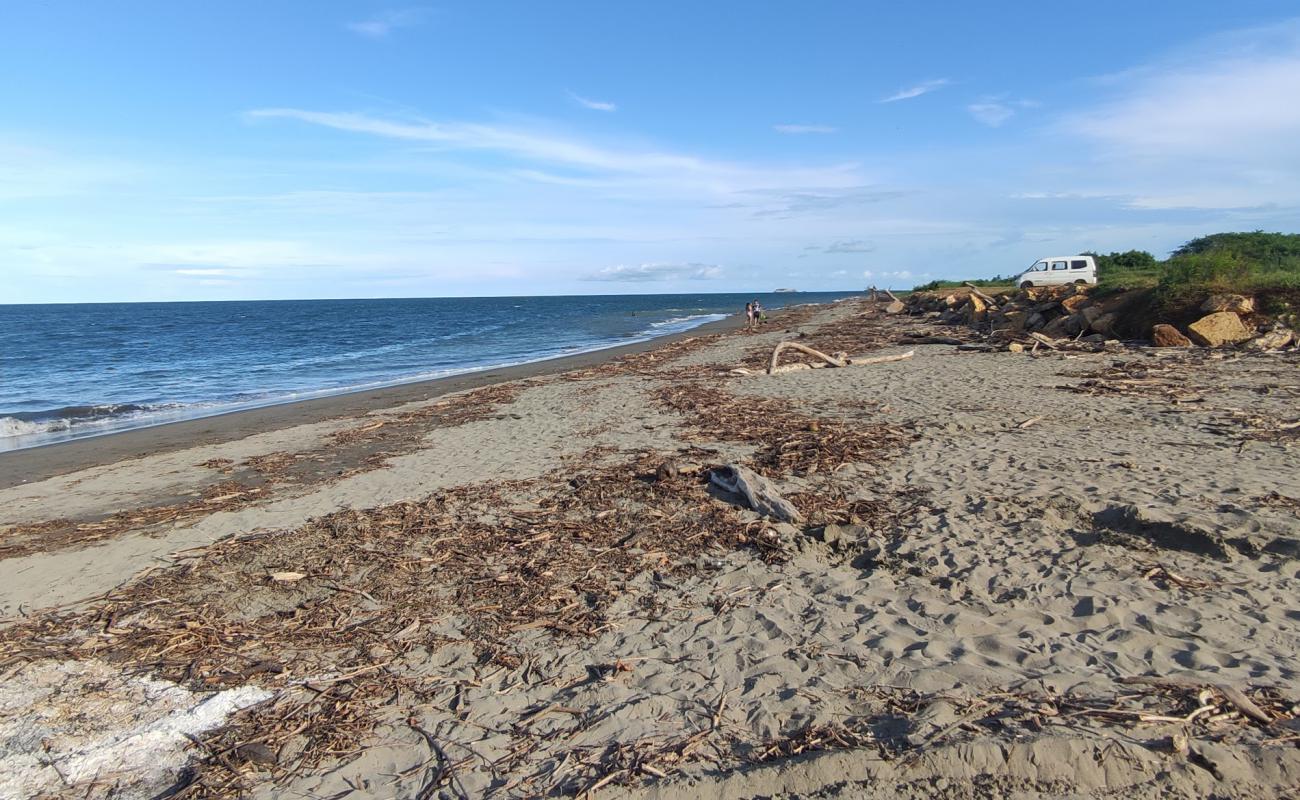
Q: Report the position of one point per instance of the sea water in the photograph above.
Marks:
(74, 370)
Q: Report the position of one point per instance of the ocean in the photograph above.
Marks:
(75, 370)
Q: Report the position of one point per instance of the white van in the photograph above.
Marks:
(1059, 270)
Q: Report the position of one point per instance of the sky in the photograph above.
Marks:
(183, 150)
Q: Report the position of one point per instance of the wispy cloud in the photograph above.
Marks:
(991, 113)
(1219, 103)
(533, 144)
(798, 129)
(787, 204)
(850, 246)
(925, 87)
(381, 25)
(894, 275)
(1216, 104)
(594, 105)
(993, 110)
(640, 273)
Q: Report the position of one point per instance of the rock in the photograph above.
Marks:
(895, 307)
(1090, 315)
(1236, 303)
(1275, 339)
(1063, 327)
(1168, 336)
(1075, 302)
(1218, 329)
(1011, 321)
(1105, 324)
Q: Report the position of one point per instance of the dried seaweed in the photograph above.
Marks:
(323, 611)
(788, 442)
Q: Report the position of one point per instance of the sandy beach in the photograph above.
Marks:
(1057, 574)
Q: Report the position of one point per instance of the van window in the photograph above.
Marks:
(1040, 266)
(1078, 264)
(1058, 265)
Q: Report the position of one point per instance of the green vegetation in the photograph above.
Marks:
(997, 282)
(1247, 263)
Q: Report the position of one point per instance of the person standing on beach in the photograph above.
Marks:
(758, 314)
(749, 316)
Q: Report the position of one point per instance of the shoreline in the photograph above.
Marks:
(40, 462)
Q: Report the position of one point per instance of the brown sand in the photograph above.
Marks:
(518, 608)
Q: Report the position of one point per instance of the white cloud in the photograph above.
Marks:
(798, 129)
(594, 105)
(901, 274)
(204, 272)
(993, 110)
(1205, 128)
(991, 113)
(379, 26)
(1220, 104)
(657, 272)
(850, 246)
(683, 171)
(925, 87)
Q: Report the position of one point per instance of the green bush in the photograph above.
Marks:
(1209, 271)
(998, 281)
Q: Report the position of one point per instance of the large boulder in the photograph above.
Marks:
(1236, 303)
(1168, 336)
(1105, 324)
(1218, 329)
(1063, 327)
(1010, 321)
(1089, 316)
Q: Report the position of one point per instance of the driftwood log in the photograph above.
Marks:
(758, 492)
(783, 346)
(860, 361)
(837, 360)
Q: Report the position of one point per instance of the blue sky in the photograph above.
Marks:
(242, 150)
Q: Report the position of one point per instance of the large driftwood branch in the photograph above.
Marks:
(975, 291)
(776, 354)
(759, 493)
(831, 361)
(891, 296)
